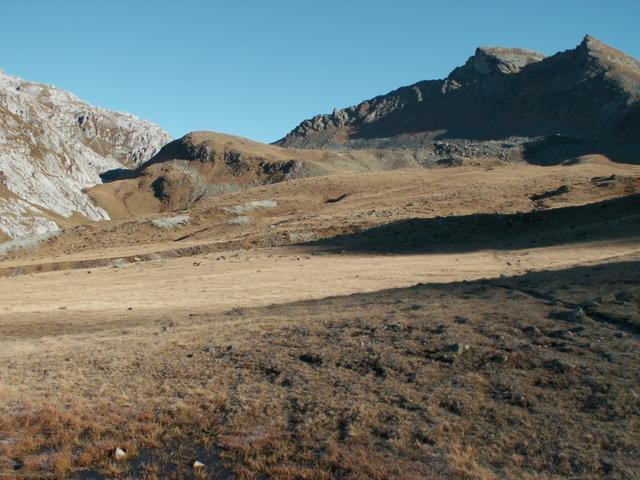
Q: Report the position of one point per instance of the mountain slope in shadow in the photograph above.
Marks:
(591, 92)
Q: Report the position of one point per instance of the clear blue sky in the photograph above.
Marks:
(256, 68)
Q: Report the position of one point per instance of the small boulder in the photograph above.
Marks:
(501, 358)
(119, 454)
(559, 365)
(197, 465)
(624, 297)
(532, 330)
(459, 347)
(578, 315)
(312, 359)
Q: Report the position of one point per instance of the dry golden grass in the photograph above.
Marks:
(168, 360)
(363, 386)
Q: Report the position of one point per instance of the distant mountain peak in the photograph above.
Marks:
(592, 44)
(610, 57)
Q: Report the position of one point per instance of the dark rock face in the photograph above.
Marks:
(591, 92)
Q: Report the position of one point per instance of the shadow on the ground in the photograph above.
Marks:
(617, 219)
(117, 174)
(608, 293)
(565, 150)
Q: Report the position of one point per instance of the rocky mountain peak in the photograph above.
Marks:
(608, 57)
(590, 92)
(488, 60)
(589, 41)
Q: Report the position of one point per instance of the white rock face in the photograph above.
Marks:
(52, 146)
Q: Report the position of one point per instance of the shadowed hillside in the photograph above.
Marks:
(590, 92)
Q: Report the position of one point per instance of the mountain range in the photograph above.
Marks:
(591, 92)
(503, 104)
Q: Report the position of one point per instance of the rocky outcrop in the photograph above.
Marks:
(53, 146)
(591, 92)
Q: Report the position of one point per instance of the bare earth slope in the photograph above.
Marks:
(52, 146)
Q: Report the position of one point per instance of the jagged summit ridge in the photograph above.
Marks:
(589, 92)
(487, 60)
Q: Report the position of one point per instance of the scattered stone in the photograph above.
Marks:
(521, 448)
(337, 199)
(607, 466)
(624, 297)
(393, 327)
(550, 193)
(501, 358)
(286, 382)
(454, 406)
(119, 454)
(532, 330)
(459, 347)
(519, 400)
(311, 359)
(452, 161)
(578, 315)
(609, 297)
(559, 365)
(591, 305)
(560, 333)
